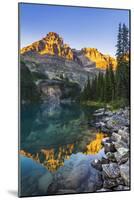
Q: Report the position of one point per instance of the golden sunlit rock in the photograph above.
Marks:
(52, 44)
(101, 60)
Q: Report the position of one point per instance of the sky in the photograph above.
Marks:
(79, 27)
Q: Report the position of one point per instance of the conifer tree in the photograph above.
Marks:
(122, 72)
(125, 40)
(112, 85)
(112, 81)
(119, 43)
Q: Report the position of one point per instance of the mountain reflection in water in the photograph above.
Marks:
(52, 136)
(53, 160)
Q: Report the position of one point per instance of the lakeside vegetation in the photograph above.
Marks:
(111, 87)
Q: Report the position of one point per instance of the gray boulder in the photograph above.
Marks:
(111, 156)
(116, 137)
(111, 170)
(100, 110)
(110, 183)
(122, 155)
(124, 135)
(121, 188)
(125, 173)
(119, 144)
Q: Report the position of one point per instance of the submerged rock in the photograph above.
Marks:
(76, 176)
(44, 182)
(65, 191)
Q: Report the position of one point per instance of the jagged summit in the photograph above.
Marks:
(53, 44)
(100, 59)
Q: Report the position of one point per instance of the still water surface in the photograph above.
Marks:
(50, 136)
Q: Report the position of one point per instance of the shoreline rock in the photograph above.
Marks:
(115, 167)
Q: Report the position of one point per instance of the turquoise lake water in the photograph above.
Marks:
(49, 136)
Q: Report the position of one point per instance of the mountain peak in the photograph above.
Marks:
(51, 44)
(101, 60)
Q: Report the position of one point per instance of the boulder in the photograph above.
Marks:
(121, 188)
(109, 147)
(99, 124)
(96, 164)
(110, 183)
(124, 135)
(125, 173)
(94, 181)
(100, 110)
(76, 176)
(116, 137)
(111, 156)
(122, 155)
(108, 113)
(98, 114)
(111, 170)
(91, 187)
(44, 182)
(110, 123)
(119, 144)
(126, 129)
(106, 119)
(105, 130)
(104, 190)
(104, 161)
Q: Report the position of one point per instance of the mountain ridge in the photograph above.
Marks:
(53, 44)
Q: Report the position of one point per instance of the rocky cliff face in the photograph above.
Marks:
(101, 60)
(50, 58)
(59, 68)
(52, 44)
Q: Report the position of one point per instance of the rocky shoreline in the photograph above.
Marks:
(115, 167)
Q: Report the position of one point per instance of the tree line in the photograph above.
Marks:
(112, 85)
